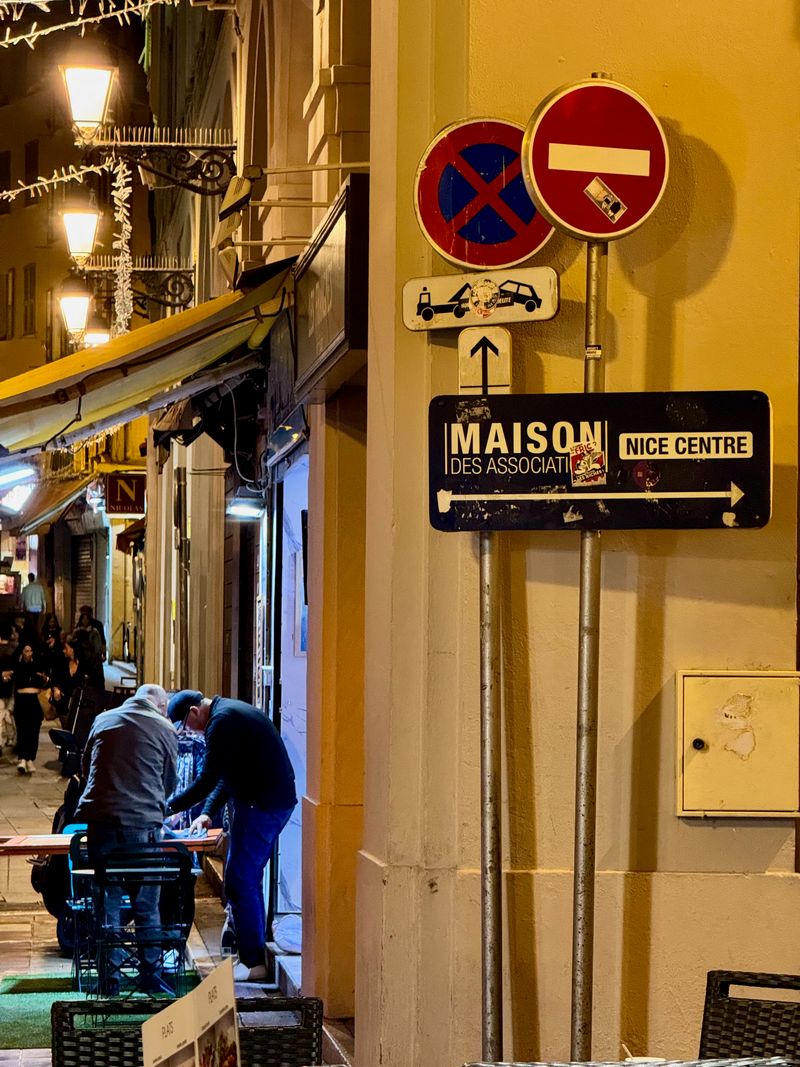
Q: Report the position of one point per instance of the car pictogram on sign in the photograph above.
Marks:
(519, 293)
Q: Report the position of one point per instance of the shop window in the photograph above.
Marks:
(29, 299)
(5, 180)
(31, 167)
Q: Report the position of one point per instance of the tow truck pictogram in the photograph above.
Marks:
(457, 305)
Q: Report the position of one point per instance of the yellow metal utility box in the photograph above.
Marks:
(738, 743)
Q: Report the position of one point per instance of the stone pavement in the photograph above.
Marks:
(28, 942)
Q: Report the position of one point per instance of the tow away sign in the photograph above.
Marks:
(597, 461)
(518, 294)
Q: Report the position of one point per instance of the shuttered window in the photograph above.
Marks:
(83, 587)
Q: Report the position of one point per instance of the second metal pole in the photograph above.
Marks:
(588, 664)
(491, 858)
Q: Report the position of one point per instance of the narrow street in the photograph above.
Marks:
(27, 931)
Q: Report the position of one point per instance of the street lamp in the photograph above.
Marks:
(97, 333)
(199, 160)
(80, 225)
(74, 299)
(89, 94)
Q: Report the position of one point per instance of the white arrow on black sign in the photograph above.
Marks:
(444, 498)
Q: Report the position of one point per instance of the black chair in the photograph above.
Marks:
(285, 1031)
(740, 1026)
(144, 959)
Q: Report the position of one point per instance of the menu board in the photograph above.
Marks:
(199, 1030)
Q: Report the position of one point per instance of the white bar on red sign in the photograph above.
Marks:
(599, 159)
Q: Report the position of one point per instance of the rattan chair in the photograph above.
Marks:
(746, 1026)
(285, 1031)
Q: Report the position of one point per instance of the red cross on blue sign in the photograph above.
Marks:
(471, 200)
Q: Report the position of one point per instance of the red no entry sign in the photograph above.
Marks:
(595, 160)
(470, 196)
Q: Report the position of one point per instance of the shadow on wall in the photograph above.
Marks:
(679, 250)
(675, 255)
(520, 797)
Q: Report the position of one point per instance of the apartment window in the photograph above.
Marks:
(29, 299)
(7, 305)
(5, 180)
(31, 167)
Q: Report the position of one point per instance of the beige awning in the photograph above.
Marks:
(46, 504)
(94, 385)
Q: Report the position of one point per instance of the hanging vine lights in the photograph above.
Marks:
(123, 288)
(121, 10)
(58, 177)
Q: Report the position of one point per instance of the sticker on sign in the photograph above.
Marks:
(521, 294)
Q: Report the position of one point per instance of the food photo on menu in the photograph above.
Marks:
(218, 1043)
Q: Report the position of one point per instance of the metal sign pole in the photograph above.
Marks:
(588, 662)
(491, 858)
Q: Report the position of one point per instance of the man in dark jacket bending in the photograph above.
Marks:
(246, 762)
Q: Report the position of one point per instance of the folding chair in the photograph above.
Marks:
(144, 899)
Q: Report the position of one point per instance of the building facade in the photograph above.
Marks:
(703, 296)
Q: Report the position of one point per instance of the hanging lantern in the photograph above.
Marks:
(80, 225)
(89, 94)
(74, 299)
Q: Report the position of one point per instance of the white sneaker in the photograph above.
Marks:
(31, 766)
(22, 767)
(243, 973)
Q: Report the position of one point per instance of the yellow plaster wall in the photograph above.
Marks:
(333, 804)
(704, 296)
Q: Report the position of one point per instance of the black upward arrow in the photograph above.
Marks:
(484, 347)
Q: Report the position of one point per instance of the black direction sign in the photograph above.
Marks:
(600, 461)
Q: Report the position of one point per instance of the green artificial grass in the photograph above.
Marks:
(25, 1002)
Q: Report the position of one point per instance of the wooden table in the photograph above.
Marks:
(58, 844)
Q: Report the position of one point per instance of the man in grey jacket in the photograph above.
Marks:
(130, 766)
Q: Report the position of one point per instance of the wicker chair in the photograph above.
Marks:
(745, 1026)
(108, 1033)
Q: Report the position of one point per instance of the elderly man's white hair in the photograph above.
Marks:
(155, 694)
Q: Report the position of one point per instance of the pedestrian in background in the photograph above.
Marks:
(29, 678)
(34, 601)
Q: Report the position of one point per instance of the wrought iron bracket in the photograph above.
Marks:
(202, 161)
(169, 285)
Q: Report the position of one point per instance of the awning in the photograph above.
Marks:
(46, 504)
(90, 387)
(133, 534)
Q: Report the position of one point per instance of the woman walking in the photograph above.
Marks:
(29, 680)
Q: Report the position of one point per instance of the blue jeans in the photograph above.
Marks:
(253, 836)
(144, 903)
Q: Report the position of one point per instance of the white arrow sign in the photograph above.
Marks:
(444, 498)
(484, 360)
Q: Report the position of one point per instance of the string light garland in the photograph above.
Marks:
(123, 288)
(58, 177)
(122, 11)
